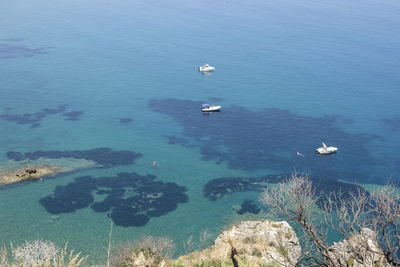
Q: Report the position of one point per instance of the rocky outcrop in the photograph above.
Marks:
(360, 250)
(30, 172)
(17, 171)
(249, 243)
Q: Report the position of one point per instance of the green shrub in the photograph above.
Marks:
(210, 263)
(288, 235)
(350, 261)
(256, 252)
(150, 251)
(242, 251)
(250, 239)
(283, 251)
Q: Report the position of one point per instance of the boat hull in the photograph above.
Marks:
(206, 69)
(211, 109)
(322, 151)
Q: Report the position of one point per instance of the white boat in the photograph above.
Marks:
(206, 68)
(325, 150)
(210, 108)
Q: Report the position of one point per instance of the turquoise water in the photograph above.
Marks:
(112, 59)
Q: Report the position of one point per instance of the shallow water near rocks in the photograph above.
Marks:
(122, 75)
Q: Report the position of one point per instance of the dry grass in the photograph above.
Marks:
(148, 251)
(37, 252)
(40, 253)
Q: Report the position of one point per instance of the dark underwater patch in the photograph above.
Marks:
(131, 198)
(72, 115)
(269, 138)
(173, 140)
(35, 125)
(11, 40)
(33, 118)
(104, 155)
(125, 120)
(12, 48)
(217, 188)
(347, 120)
(392, 123)
(248, 206)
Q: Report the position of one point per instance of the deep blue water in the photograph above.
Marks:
(122, 75)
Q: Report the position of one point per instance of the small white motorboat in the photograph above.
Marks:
(206, 68)
(325, 150)
(210, 108)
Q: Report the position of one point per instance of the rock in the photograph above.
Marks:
(27, 173)
(360, 250)
(249, 243)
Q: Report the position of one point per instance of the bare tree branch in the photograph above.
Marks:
(367, 222)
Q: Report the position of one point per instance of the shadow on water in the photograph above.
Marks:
(269, 138)
(131, 198)
(104, 156)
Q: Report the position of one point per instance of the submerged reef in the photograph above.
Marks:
(72, 115)
(125, 120)
(104, 156)
(12, 48)
(33, 118)
(172, 140)
(30, 172)
(392, 123)
(217, 188)
(269, 138)
(131, 198)
(35, 125)
(248, 206)
(12, 171)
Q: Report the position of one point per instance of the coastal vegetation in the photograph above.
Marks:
(40, 253)
(147, 251)
(368, 222)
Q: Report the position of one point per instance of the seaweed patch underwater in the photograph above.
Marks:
(131, 199)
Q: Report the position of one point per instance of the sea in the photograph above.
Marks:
(116, 83)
